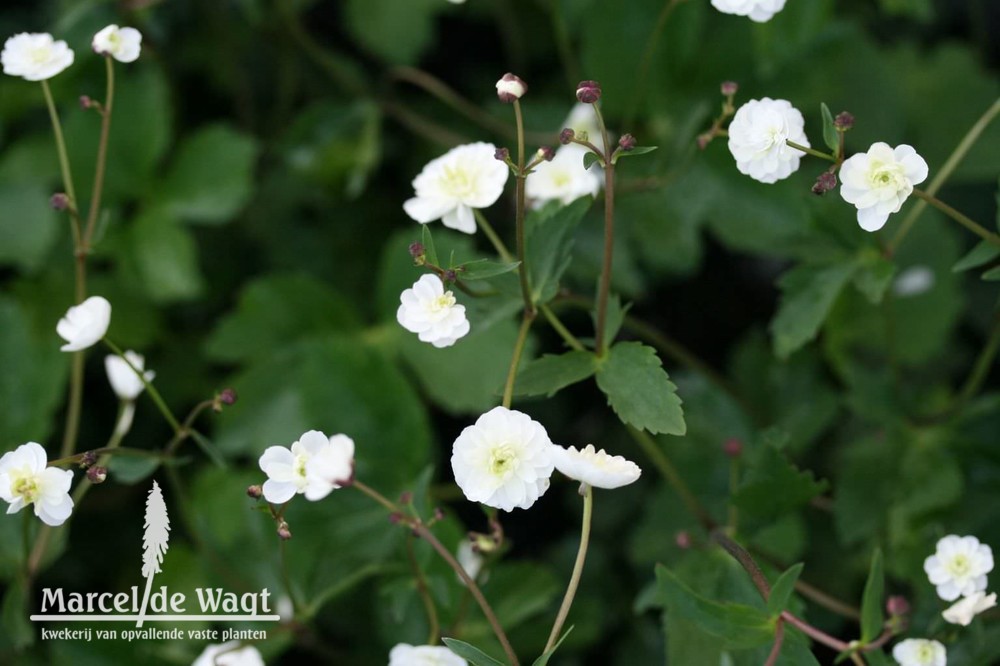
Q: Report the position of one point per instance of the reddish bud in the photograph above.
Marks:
(406, 498)
(626, 142)
(59, 201)
(86, 102)
(502, 154)
(588, 92)
(283, 531)
(844, 121)
(897, 605)
(449, 276)
(729, 88)
(567, 136)
(416, 250)
(97, 474)
(825, 182)
(683, 540)
(395, 518)
(546, 153)
(510, 88)
(255, 492)
(733, 448)
(87, 459)
(227, 396)
(703, 141)
(438, 513)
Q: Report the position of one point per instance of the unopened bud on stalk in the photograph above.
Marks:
(438, 513)
(703, 141)
(87, 459)
(406, 498)
(449, 276)
(896, 606)
(97, 474)
(844, 121)
(546, 153)
(683, 540)
(567, 136)
(588, 92)
(626, 142)
(283, 531)
(59, 201)
(825, 182)
(86, 102)
(733, 447)
(502, 154)
(255, 492)
(511, 88)
(729, 88)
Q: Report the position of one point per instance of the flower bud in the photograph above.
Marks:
(86, 102)
(844, 121)
(825, 182)
(896, 606)
(416, 250)
(438, 513)
(729, 88)
(502, 155)
(59, 201)
(255, 492)
(546, 153)
(449, 276)
(228, 396)
(567, 136)
(733, 447)
(588, 92)
(97, 474)
(395, 518)
(703, 141)
(683, 540)
(283, 531)
(626, 142)
(511, 88)
(406, 498)
(87, 459)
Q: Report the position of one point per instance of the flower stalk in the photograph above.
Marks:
(581, 557)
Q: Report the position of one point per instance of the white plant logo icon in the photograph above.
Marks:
(154, 542)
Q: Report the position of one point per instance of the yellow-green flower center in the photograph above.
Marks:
(442, 302)
(40, 55)
(26, 487)
(502, 460)
(925, 653)
(959, 566)
(457, 182)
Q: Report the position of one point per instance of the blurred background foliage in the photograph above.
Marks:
(254, 237)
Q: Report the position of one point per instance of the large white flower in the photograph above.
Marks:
(314, 466)
(84, 324)
(424, 655)
(229, 654)
(879, 181)
(124, 381)
(595, 468)
(757, 10)
(432, 313)
(504, 460)
(919, 652)
(26, 479)
(122, 44)
(35, 56)
(757, 137)
(962, 611)
(563, 178)
(959, 566)
(450, 186)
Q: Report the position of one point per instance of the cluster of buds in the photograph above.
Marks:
(728, 90)
(825, 182)
(417, 251)
(95, 473)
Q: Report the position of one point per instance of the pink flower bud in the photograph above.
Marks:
(588, 92)
(546, 153)
(844, 121)
(511, 88)
(683, 540)
(897, 605)
(567, 136)
(502, 154)
(825, 182)
(729, 88)
(59, 201)
(97, 474)
(283, 532)
(626, 142)
(228, 396)
(255, 492)
(733, 448)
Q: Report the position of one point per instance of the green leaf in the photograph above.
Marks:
(982, 253)
(992, 275)
(482, 269)
(872, 616)
(211, 178)
(17, 631)
(591, 158)
(427, 238)
(132, 469)
(874, 277)
(638, 150)
(550, 244)
(614, 317)
(166, 257)
(544, 659)
(209, 449)
(473, 655)
(28, 225)
(877, 658)
(396, 32)
(831, 137)
(737, 626)
(807, 295)
(551, 373)
(781, 591)
(639, 389)
(773, 486)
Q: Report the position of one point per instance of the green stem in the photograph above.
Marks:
(561, 329)
(810, 151)
(734, 482)
(604, 285)
(581, 557)
(67, 174)
(964, 220)
(434, 631)
(493, 237)
(515, 361)
(522, 271)
(102, 154)
(963, 147)
(673, 477)
(75, 405)
(150, 389)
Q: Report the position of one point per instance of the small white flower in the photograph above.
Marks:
(432, 313)
(504, 460)
(564, 178)
(35, 56)
(470, 560)
(313, 466)
(879, 181)
(424, 655)
(229, 654)
(595, 468)
(84, 324)
(962, 611)
(510, 87)
(757, 139)
(450, 186)
(26, 479)
(124, 381)
(757, 10)
(919, 652)
(959, 566)
(122, 44)
(914, 281)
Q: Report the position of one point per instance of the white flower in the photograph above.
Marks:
(504, 460)
(470, 560)
(757, 139)
(879, 181)
(122, 44)
(450, 186)
(124, 381)
(564, 178)
(35, 56)
(26, 479)
(313, 466)
(424, 655)
(84, 324)
(919, 652)
(914, 281)
(432, 313)
(229, 654)
(959, 566)
(595, 468)
(757, 10)
(962, 611)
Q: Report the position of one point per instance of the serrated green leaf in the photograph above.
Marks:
(550, 243)
(872, 616)
(484, 268)
(427, 239)
(553, 372)
(472, 654)
(830, 135)
(781, 591)
(736, 625)
(544, 659)
(982, 253)
(773, 486)
(874, 278)
(639, 389)
(807, 295)
(166, 257)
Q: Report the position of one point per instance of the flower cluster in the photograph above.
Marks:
(313, 466)
(39, 56)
